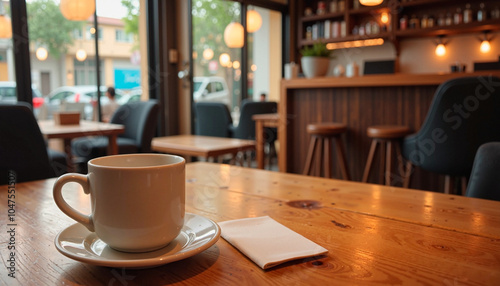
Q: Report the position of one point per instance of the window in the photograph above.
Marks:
(89, 35)
(85, 72)
(77, 34)
(121, 36)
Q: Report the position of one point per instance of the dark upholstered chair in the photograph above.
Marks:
(463, 115)
(485, 176)
(140, 119)
(22, 147)
(246, 126)
(212, 119)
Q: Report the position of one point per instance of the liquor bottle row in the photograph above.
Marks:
(467, 15)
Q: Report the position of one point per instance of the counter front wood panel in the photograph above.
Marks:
(359, 102)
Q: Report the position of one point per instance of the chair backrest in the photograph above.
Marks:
(463, 115)
(22, 146)
(246, 125)
(140, 119)
(212, 119)
(484, 180)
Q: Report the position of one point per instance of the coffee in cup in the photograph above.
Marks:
(137, 200)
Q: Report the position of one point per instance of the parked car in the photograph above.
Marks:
(133, 95)
(212, 88)
(8, 94)
(80, 93)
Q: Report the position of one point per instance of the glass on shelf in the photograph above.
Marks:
(481, 13)
(467, 14)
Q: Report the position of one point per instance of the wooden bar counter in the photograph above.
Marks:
(359, 102)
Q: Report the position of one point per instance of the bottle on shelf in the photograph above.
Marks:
(341, 6)
(414, 22)
(481, 13)
(321, 8)
(495, 13)
(441, 21)
(458, 17)
(403, 23)
(467, 14)
(309, 33)
(423, 22)
(449, 20)
(430, 22)
(333, 6)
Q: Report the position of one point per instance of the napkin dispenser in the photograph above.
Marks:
(67, 118)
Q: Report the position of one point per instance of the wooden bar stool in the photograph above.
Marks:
(322, 135)
(385, 135)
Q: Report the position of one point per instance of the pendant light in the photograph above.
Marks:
(77, 10)
(233, 35)
(370, 2)
(254, 21)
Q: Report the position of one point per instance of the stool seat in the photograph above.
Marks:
(325, 129)
(387, 131)
(386, 136)
(322, 136)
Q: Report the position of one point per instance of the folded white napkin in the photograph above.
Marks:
(267, 242)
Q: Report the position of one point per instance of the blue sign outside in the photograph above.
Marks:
(127, 78)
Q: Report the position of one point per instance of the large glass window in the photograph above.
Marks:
(216, 77)
(71, 52)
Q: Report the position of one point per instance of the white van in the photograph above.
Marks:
(212, 88)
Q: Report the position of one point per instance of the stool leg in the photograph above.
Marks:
(407, 175)
(310, 153)
(328, 157)
(382, 161)
(448, 184)
(342, 159)
(388, 159)
(319, 161)
(369, 161)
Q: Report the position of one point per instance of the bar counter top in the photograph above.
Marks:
(398, 79)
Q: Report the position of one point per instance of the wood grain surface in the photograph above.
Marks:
(375, 235)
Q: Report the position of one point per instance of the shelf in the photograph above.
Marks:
(384, 35)
(368, 10)
(425, 2)
(474, 27)
(326, 16)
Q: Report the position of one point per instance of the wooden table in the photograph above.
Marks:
(203, 146)
(376, 235)
(86, 128)
(262, 121)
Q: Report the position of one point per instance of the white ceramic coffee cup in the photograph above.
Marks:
(137, 200)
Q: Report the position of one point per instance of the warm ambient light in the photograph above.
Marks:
(370, 2)
(485, 46)
(384, 18)
(233, 35)
(41, 54)
(353, 44)
(224, 59)
(236, 65)
(81, 55)
(208, 54)
(254, 21)
(77, 10)
(440, 50)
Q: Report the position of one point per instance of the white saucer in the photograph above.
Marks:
(197, 235)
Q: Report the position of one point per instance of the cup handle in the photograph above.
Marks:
(83, 180)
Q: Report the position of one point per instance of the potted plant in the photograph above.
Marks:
(315, 60)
